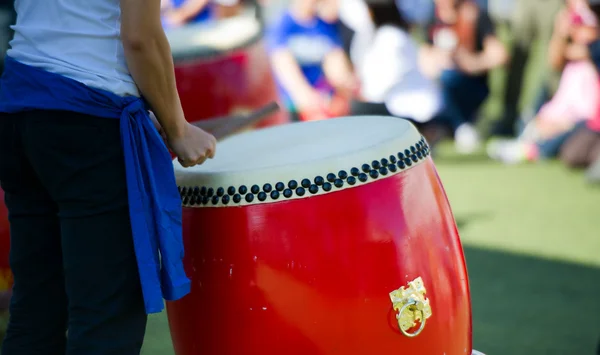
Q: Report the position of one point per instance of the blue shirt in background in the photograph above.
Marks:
(309, 43)
(206, 14)
(203, 15)
(416, 11)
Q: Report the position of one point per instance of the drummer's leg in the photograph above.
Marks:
(80, 159)
(38, 307)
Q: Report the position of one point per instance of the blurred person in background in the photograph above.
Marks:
(177, 13)
(313, 73)
(532, 21)
(501, 11)
(462, 48)
(230, 8)
(355, 22)
(582, 149)
(576, 100)
(388, 68)
(417, 12)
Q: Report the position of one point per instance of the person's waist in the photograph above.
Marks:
(94, 70)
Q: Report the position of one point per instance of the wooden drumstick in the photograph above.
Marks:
(221, 127)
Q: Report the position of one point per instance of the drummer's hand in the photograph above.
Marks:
(193, 147)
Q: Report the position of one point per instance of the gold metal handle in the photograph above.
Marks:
(412, 307)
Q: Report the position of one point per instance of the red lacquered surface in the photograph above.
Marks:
(5, 274)
(312, 276)
(234, 81)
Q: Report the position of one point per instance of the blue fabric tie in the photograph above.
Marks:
(154, 201)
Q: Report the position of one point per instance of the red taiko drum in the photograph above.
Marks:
(321, 238)
(5, 274)
(222, 68)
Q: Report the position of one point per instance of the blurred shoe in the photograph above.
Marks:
(592, 175)
(508, 151)
(466, 139)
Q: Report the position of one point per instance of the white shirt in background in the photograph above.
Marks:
(355, 15)
(389, 73)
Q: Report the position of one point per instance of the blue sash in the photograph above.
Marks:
(154, 201)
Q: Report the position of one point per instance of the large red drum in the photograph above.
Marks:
(321, 238)
(222, 68)
(5, 274)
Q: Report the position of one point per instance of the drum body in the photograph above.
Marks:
(312, 266)
(5, 274)
(222, 68)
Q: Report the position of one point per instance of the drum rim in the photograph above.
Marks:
(208, 53)
(262, 193)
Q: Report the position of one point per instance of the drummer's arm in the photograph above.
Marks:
(290, 75)
(339, 72)
(150, 62)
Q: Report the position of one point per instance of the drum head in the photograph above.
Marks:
(303, 159)
(212, 38)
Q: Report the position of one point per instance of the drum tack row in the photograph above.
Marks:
(206, 195)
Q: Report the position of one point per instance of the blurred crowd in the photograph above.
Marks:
(429, 61)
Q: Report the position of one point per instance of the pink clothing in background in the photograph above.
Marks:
(594, 122)
(577, 97)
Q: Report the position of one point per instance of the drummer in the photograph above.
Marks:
(95, 214)
(308, 58)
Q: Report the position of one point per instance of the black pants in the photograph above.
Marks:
(71, 245)
(347, 35)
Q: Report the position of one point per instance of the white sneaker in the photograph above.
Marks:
(466, 139)
(508, 151)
